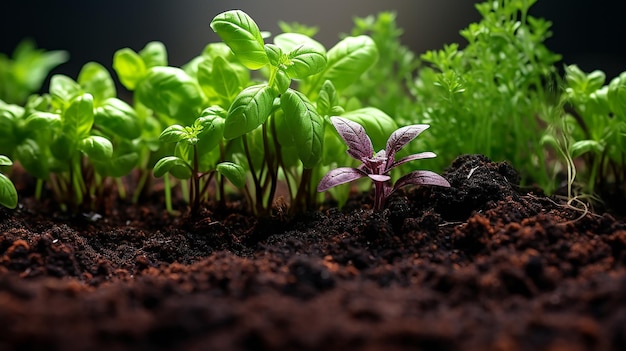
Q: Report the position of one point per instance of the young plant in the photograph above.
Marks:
(198, 152)
(377, 166)
(8, 193)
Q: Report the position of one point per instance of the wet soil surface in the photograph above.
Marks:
(484, 265)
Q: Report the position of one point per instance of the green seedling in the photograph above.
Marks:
(197, 151)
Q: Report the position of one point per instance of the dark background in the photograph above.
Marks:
(590, 33)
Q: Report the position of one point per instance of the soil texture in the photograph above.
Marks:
(483, 265)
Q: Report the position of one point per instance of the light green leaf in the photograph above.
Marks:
(219, 79)
(289, 41)
(249, 110)
(5, 161)
(64, 88)
(129, 66)
(583, 146)
(176, 166)
(96, 147)
(78, 117)
(173, 134)
(305, 125)
(233, 172)
(171, 92)
(243, 37)
(348, 60)
(96, 80)
(305, 60)
(119, 118)
(8, 193)
(42, 120)
(154, 54)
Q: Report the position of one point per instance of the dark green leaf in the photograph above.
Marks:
(305, 125)
(33, 158)
(176, 166)
(233, 172)
(8, 193)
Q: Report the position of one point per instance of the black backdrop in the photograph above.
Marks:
(591, 33)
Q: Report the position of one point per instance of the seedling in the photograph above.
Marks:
(8, 193)
(377, 166)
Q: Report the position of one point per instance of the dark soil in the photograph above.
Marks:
(484, 265)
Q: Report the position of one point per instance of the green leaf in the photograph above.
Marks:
(306, 126)
(119, 118)
(42, 120)
(617, 95)
(219, 79)
(212, 132)
(348, 60)
(154, 54)
(129, 66)
(173, 134)
(233, 172)
(123, 161)
(78, 117)
(377, 124)
(583, 146)
(243, 37)
(171, 92)
(249, 110)
(176, 166)
(33, 158)
(328, 101)
(305, 60)
(96, 80)
(5, 161)
(8, 193)
(289, 41)
(64, 88)
(96, 147)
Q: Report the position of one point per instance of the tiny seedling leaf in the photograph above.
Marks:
(176, 166)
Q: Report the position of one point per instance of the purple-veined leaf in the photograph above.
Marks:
(359, 144)
(421, 178)
(413, 157)
(401, 137)
(339, 176)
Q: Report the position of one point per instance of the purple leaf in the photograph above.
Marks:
(406, 159)
(359, 144)
(401, 137)
(338, 176)
(421, 178)
(379, 177)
